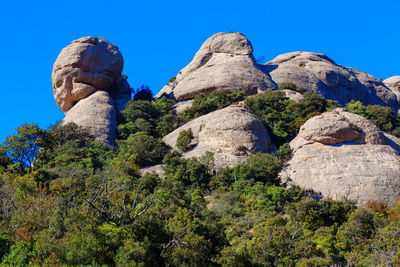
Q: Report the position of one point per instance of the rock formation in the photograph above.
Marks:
(88, 86)
(225, 62)
(232, 134)
(293, 95)
(394, 84)
(341, 154)
(318, 73)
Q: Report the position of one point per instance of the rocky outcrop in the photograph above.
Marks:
(394, 84)
(232, 134)
(293, 95)
(97, 113)
(224, 62)
(318, 73)
(88, 86)
(340, 154)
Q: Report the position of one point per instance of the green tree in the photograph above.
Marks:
(143, 149)
(23, 147)
(184, 139)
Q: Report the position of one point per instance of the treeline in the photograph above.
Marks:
(65, 199)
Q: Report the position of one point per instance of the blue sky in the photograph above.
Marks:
(158, 38)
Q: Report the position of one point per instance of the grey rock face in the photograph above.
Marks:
(223, 132)
(86, 71)
(225, 62)
(318, 73)
(293, 95)
(394, 84)
(341, 154)
(97, 113)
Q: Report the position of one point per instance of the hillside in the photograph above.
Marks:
(295, 162)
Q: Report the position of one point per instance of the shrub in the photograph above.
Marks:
(204, 104)
(241, 148)
(184, 139)
(383, 117)
(284, 117)
(143, 93)
(143, 149)
(291, 86)
(302, 64)
(172, 79)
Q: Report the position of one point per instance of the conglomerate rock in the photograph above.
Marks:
(224, 62)
(97, 113)
(232, 134)
(318, 73)
(394, 84)
(88, 86)
(341, 154)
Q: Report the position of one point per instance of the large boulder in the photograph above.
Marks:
(84, 66)
(88, 86)
(224, 62)
(232, 134)
(97, 113)
(394, 84)
(318, 73)
(341, 154)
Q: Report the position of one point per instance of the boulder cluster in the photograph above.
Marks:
(341, 154)
(337, 154)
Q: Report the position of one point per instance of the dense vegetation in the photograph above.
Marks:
(383, 117)
(67, 199)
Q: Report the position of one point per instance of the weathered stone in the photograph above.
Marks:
(158, 169)
(84, 66)
(179, 107)
(318, 73)
(293, 95)
(394, 84)
(232, 134)
(341, 154)
(86, 71)
(224, 62)
(97, 113)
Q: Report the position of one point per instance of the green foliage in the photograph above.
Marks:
(82, 203)
(302, 64)
(143, 93)
(383, 117)
(143, 149)
(184, 139)
(23, 147)
(172, 79)
(20, 254)
(204, 104)
(284, 117)
(292, 86)
(155, 117)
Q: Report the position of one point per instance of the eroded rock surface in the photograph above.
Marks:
(224, 62)
(84, 66)
(88, 87)
(394, 84)
(340, 154)
(232, 134)
(318, 73)
(97, 113)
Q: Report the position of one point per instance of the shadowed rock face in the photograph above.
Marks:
(88, 86)
(223, 132)
(318, 73)
(340, 154)
(224, 62)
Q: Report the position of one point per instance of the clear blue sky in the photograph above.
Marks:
(158, 38)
